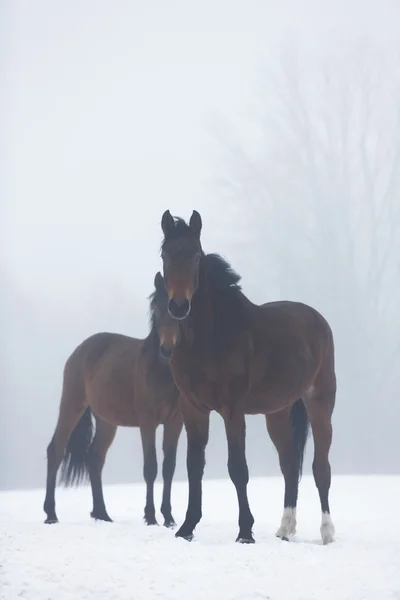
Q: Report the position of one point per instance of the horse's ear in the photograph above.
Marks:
(195, 222)
(159, 281)
(167, 222)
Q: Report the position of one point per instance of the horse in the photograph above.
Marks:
(121, 381)
(239, 358)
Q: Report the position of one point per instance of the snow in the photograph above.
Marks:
(79, 559)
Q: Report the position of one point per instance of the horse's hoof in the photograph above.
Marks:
(245, 540)
(328, 539)
(101, 517)
(284, 538)
(170, 524)
(150, 521)
(327, 532)
(188, 537)
(49, 521)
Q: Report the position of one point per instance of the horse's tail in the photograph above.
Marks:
(300, 427)
(74, 466)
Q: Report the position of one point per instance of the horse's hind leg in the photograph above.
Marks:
(148, 435)
(67, 421)
(172, 431)
(320, 406)
(104, 436)
(280, 431)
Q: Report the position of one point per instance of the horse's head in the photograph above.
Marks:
(167, 328)
(181, 253)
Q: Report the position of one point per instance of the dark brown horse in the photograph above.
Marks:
(122, 381)
(239, 358)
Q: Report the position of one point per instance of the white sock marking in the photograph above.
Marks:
(327, 528)
(288, 523)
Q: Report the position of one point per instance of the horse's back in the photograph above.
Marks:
(293, 308)
(104, 362)
(296, 317)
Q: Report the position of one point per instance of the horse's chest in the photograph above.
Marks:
(214, 383)
(156, 395)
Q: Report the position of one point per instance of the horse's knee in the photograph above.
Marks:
(51, 448)
(55, 451)
(237, 467)
(322, 471)
(150, 466)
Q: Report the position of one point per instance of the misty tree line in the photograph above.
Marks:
(319, 195)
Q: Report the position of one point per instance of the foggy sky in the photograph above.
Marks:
(107, 120)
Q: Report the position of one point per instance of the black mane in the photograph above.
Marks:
(152, 341)
(229, 316)
(154, 299)
(220, 273)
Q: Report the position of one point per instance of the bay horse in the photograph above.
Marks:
(122, 381)
(239, 358)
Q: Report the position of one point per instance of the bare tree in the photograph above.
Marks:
(320, 200)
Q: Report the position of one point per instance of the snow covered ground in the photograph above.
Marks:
(78, 559)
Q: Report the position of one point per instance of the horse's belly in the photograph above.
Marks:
(257, 404)
(119, 414)
(165, 413)
(273, 396)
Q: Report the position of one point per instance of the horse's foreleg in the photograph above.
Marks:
(197, 424)
(172, 431)
(148, 435)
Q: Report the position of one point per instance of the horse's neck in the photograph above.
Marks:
(203, 304)
(218, 316)
(200, 326)
(151, 349)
